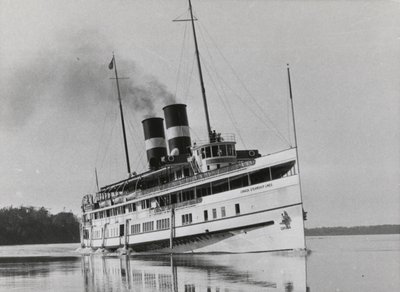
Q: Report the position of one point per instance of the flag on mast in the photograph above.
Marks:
(111, 65)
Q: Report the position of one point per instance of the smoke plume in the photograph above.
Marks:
(74, 75)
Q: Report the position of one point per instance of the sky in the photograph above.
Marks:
(59, 118)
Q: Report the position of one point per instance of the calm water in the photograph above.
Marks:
(342, 263)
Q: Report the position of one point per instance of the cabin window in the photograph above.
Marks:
(95, 215)
(148, 226)
(163, 201)
(186, 172)
(214, 151)
(162, 224)
(205, 215)
(214, 212)
(186, 219)
(208, 152)
(260, 176)
(230, 150)
(108, 213)
(122, 230)
(146, 204)
(135, 228)
(174, 198)
(132, 207)
(220, 186)
(203, 190)
(278, 171)
(222, 150)
(237, 209)
(223, 213)
(188, 195)
(238, 181)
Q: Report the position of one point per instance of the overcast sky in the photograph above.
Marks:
(59, 113)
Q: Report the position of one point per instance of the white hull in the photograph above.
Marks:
(270, 219)
(249, 239)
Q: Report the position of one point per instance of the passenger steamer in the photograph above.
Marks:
(198, 197)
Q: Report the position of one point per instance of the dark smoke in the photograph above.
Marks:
(145, 96)
(74, 75)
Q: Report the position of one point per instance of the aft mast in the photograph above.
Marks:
(203, 90)
(112, 65)
(295, 145)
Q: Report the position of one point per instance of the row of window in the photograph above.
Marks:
(217, 151)
(97, 234)
(223, 212)
(211, 188)
(114, 211)
(187, 219)
(161, 224)
(112, 232)
(148, 226)
(135, 228)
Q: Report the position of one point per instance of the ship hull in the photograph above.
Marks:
(261, 217)
(267, 234)
(260, 237)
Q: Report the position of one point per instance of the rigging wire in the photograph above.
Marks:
(288, 115)
(226, 105)
(133, 133)
(109, 141)
(190, 78)
(180, 59)
(101, 138)
(272, 126)
(139, 159)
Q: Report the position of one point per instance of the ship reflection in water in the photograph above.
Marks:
(191, 273)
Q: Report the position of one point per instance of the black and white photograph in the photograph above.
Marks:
(200, 145)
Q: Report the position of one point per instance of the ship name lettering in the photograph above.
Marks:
(256, 188)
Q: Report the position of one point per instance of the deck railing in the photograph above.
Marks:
(201, 176)
(196, 177)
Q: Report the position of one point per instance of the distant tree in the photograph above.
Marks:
(29, 225)
(355, 230)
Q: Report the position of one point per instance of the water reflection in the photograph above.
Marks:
(34, 266)
(191, 273)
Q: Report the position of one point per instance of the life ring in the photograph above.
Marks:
(252, 153)
(171, 158)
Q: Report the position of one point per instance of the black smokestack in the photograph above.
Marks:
(155, 141)
(178, 133)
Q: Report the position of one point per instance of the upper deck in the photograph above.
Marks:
(276, 164)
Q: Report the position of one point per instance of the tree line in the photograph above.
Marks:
(355, 230)
(30, 225)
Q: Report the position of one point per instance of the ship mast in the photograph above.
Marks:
(295, 141)
(114, 64)
(203, 90)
